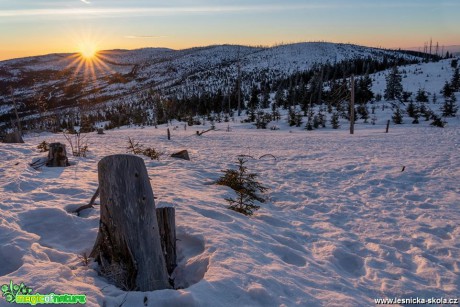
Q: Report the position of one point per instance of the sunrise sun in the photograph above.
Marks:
(88, 50)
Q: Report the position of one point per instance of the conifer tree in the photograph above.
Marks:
(411, 109)
(394, 89)
(437, 121)
(246, 187)
(447, 90)
(363, 92)
(421, 96)
(455, 82)
(449, 108)
(309, 125)
(291, 117)
(335, 121)
(397, 116)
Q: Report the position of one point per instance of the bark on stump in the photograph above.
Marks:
(13, 137)
(128, 246)
(167, 227)
(57, 155)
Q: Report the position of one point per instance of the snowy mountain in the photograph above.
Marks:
(348, 220)
(62, 80)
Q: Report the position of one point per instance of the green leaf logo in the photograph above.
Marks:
(9, 292)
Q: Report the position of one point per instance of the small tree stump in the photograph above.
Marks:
(128, 246)
(167, 227)
(57, 155)
(100, 130)
(13, 137)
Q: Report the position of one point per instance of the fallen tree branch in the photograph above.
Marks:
(38, 163)
(90, 205)
(266, 155)
(204, 131)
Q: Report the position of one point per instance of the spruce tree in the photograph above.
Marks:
(421, 96)
(455, 82)
(321, 118)
(363, 93)
(335, 121)
(437, 121)
(394, 87)
(397, 116)
(246, 187)
(411, 109)
(291, 117)
(363, 112)
(309, 125)
(449, 109)
(447, 90)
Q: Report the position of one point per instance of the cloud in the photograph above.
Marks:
(158, 11)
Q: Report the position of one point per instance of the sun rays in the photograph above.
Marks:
(89, 65)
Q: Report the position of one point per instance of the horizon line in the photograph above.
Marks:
(274, 45)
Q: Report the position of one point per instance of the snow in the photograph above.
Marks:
(429, 77)
(342, 224)
(184, 72)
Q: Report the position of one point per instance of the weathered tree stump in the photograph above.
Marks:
(13, 137)
(57, 155)
(167, 228)
(100, 131)
(128, 246)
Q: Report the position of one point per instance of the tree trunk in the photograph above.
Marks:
(57, 155)
(128, 246)
(167, 227)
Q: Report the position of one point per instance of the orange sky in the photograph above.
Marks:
(54, 26)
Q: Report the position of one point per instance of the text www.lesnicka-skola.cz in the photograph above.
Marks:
(417, 300)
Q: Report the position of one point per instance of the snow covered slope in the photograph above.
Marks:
(342, 224)
(65, 79)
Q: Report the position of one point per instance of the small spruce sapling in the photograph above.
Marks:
(43, 146)
(138, 149)
(246, 187)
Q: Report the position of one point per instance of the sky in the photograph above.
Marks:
(34, 27)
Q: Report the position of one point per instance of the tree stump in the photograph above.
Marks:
(13, 137)
(57, 155)
(128, 246)
(100, 131)
(167, 228)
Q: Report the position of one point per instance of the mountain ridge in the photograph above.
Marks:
(65, 80)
